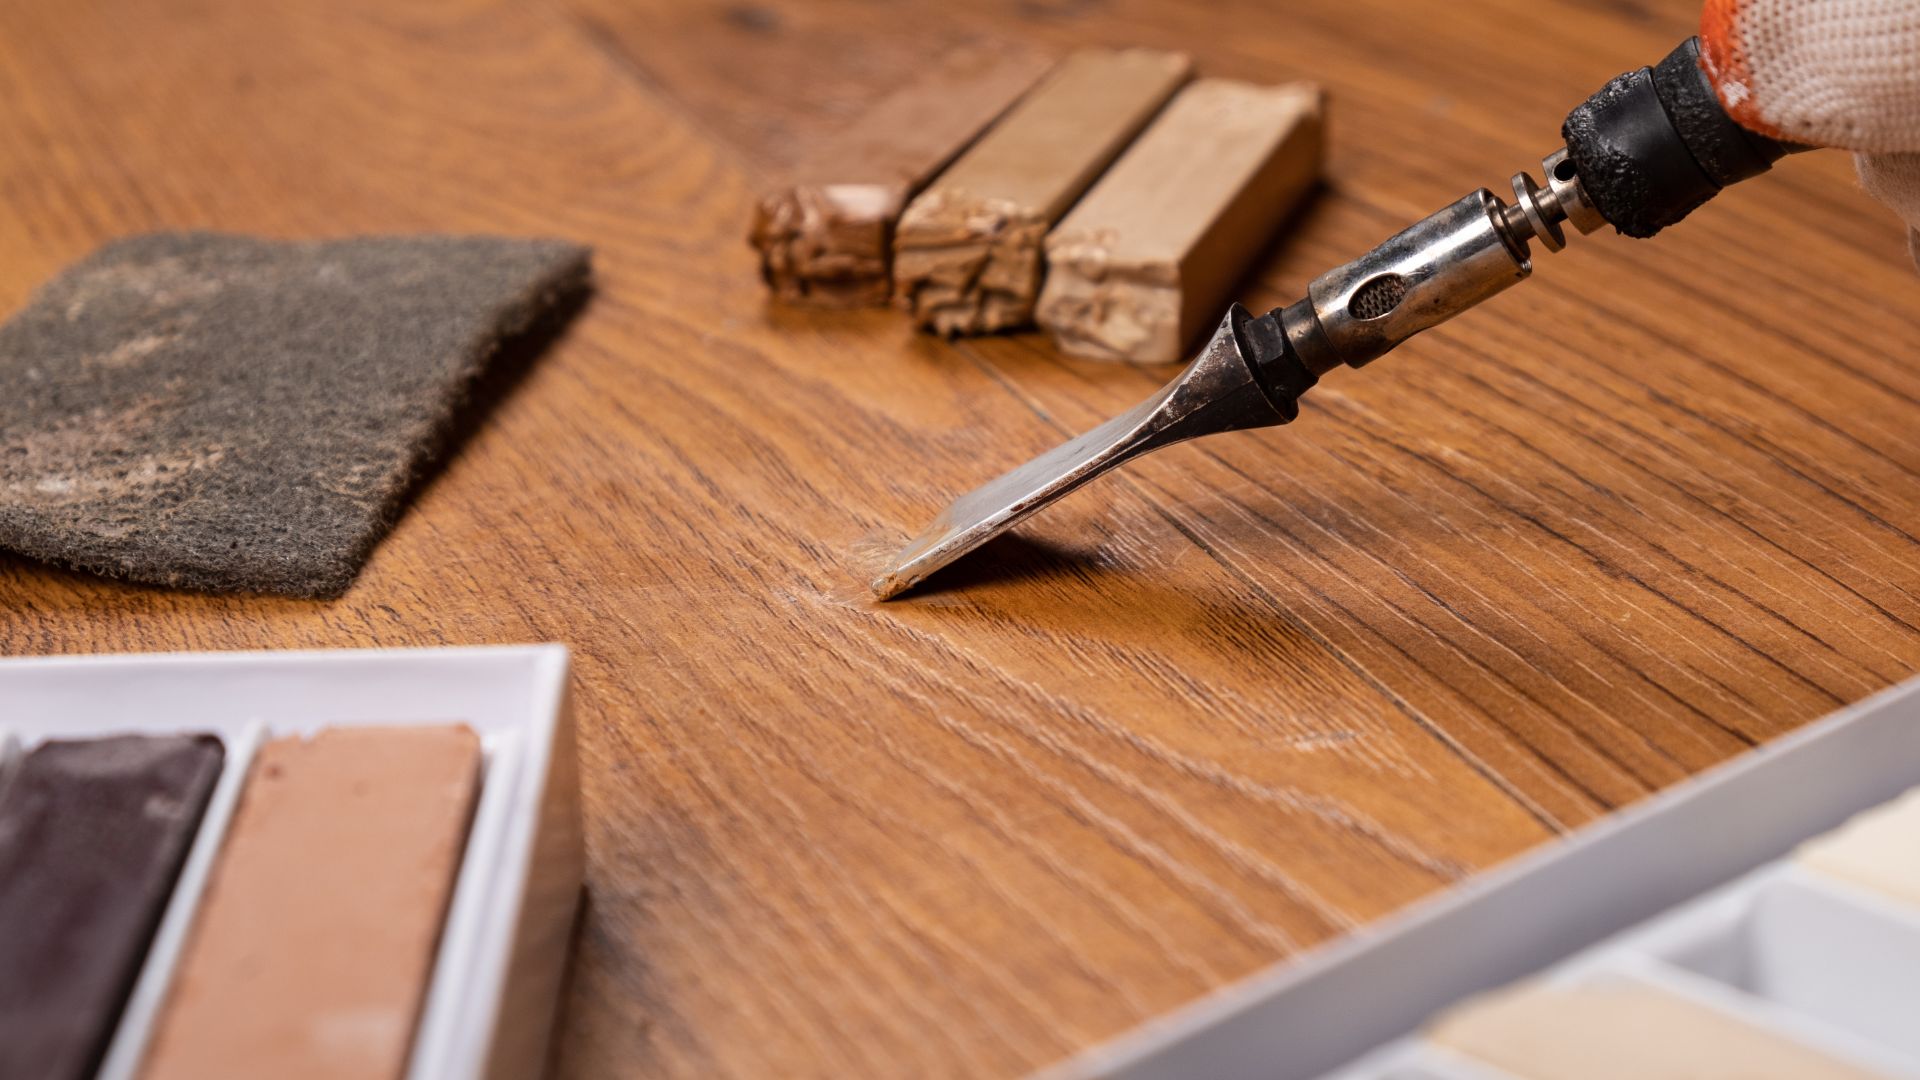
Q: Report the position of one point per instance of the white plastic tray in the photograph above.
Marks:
(502, 952)
(1818, 960)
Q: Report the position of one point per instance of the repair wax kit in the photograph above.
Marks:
(360, 862)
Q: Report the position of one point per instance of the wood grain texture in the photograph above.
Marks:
(1655, 507)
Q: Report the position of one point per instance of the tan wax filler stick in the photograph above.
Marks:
(967, 256)
(1623, 1029)
(1141, 266)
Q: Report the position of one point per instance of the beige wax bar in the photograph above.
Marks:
(967, 255)
(1610, 1030)
(313, 948)
(825, 236)
(1145, 262)
(1879, 850)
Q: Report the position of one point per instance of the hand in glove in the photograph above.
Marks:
(1842, 73)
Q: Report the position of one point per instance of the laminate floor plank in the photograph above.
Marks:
(1656, 507)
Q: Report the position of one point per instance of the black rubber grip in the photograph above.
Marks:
(1725, 151)
(1655, 143)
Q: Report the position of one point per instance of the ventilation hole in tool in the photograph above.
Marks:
(1566, 171)
(1377, 297)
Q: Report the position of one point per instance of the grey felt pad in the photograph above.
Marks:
(226, 413)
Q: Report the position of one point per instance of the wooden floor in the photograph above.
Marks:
(1647, 512)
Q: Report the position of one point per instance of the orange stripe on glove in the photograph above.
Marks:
(1723, 54)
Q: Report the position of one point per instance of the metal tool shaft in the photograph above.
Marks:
(1435, 269)
(1252, 372)
(1219, 391)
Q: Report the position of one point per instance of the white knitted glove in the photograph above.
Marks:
(1842, 73)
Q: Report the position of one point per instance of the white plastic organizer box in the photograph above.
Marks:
(1695, 894)
(501, 954)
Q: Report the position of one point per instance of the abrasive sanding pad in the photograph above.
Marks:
(234, 414)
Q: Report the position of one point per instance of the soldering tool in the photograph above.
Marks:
(1646, 150)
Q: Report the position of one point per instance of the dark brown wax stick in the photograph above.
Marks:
(92, 835)
(826, 236)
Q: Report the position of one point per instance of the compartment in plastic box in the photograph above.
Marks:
(1841, 956)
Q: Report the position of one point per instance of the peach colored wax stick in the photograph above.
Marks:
(313, 949)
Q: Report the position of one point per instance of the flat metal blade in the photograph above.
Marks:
(1217, 392)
